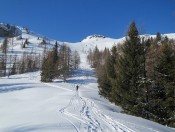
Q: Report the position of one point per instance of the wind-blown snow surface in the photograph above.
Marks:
(26, 104)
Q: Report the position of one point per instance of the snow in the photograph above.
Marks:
(26, 104)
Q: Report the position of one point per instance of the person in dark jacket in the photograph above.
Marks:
(77, 88)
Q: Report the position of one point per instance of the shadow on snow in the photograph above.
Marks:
(83, 72)
(23, 128)
(6, 88)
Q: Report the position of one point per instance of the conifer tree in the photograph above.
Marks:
(4, 51)
(13, 70)
(5, 46)
(166, 85)
(44, 71)
(158, 37)
(25, 43)
(56, 60)
(145, 93)
(111, 63)
(96, 57)
(55, 53)
(130, 71)
(104, 82)
(47, 69)
(106, 73)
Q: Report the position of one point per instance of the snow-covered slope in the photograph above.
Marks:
(35, 40)
(26, 104)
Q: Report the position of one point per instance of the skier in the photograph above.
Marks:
(77, 87)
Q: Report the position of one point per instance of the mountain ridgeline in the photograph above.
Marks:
(7, 30)
(139, 75)
(23, 51)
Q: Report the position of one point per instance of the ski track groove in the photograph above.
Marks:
(115, 124)
(87, 118)
(71, 123)
(86, 113)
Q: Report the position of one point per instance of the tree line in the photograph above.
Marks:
(59, 63)
(11, 64)
(139, 75)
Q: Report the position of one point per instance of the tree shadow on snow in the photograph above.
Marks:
(83, 72)
(6, 88)
(81, 81)
(11, 77)
(23, 128)
(84, 77)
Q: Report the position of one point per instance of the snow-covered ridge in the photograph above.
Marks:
(93, 37)
(15, 30)
(169, 35)
(89, 42)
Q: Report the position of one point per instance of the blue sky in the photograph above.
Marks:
(73, 20)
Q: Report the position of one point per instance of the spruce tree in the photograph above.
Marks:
(111, 62)
(55, 53)
(111, 72)
(145, 84)
(158, 37)
(130, 71)
(166, 84)
(106, 73)
(104, 82)
(44, 71)
(47, 69)
(105, 86)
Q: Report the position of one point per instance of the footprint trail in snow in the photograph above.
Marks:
(89, 118)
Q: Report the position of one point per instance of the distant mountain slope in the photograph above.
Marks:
(35, 45)
(35, 40)
(7, 30)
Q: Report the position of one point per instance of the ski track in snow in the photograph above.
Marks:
(90, 116)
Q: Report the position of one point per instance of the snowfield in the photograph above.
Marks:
(27, 105)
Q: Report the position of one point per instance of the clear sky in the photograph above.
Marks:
(73, 20)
